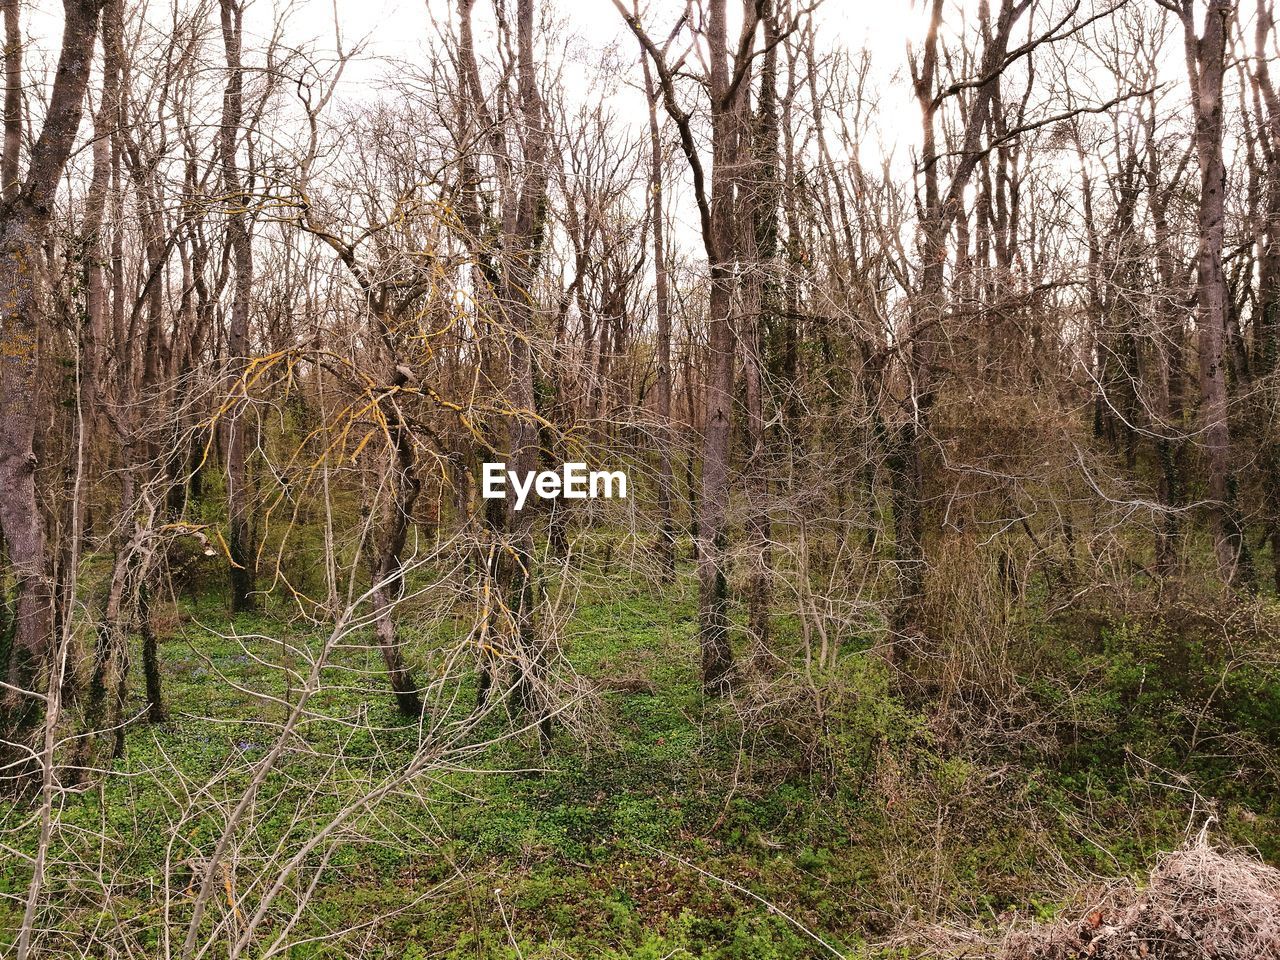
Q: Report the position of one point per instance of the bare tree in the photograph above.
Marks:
(24, 220)
(242, 549)
(1206, 65)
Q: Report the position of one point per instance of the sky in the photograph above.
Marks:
(396, 32)
(398, 28)
(401, 30)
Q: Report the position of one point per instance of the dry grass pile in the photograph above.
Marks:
(1200, 904)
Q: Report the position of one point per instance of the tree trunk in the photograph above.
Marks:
(1267, 322)
(388, 573)
(662, 305)
(1206, 63)
(523, 216)
(243, 552)
(713, 502)
(24, 219)
(760, 244)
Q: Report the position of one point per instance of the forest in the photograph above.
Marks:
(640, 479)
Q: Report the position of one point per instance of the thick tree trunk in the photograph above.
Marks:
(713, 503)
(24, 218)
(1206, 63)
(24, 531)
(760, 246)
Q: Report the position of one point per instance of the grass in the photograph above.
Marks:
(642, 841)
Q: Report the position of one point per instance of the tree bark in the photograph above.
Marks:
(24, 220)
(9, 183)
(1267, 317)
(1206, 64)
(662, 307)
(760, 248)
(242, 550)
(523, 223)
(388, 571)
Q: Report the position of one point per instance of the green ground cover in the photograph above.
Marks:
(663, 825)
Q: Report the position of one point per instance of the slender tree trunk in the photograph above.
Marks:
(1267, 322)
(662, 304)
(388, 570)
(1170, 441)
(760, 244)
(243, 551)
(929, 303)
(9, 183)
(509, 583)
(524, 214)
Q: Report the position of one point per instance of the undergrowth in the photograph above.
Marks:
(789, 820)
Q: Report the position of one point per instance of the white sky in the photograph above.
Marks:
(402, 29)
(397, 28)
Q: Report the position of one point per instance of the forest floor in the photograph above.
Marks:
(682, 828)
